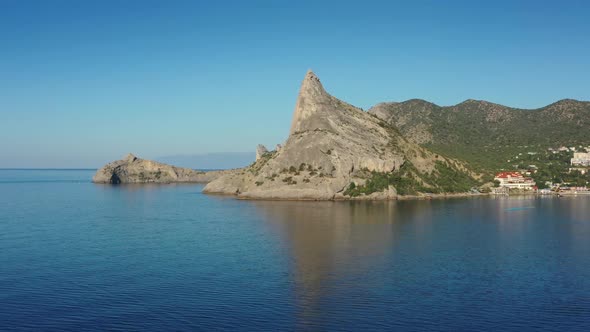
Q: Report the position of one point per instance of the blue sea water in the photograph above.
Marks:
(78, 256)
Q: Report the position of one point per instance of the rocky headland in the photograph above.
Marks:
(338, 151)
(132, 169)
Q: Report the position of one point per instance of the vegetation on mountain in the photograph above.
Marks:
(404, 181)
(408, 180)
(485, 134)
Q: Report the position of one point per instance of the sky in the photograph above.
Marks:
(85, 82)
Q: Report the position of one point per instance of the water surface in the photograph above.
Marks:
(82, 257)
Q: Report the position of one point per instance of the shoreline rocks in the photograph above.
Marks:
(132, 169)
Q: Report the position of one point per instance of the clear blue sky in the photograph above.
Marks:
(84, 82)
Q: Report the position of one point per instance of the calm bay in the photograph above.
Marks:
(82, 257)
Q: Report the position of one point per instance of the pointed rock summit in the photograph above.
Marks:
(312, 100)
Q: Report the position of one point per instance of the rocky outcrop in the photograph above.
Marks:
(260, 151)
(131, 169)
(331, 145)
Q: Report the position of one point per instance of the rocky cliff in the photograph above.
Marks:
(337, 151)
(136, 170)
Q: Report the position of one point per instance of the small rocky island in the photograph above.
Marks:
(136, 170)
(334, 151)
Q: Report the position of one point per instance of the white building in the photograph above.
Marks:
(515, 180)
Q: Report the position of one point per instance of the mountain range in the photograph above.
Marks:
(485, 134)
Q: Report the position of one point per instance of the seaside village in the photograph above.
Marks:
(521, 181)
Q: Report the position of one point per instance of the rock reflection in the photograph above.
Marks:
(336, 241)
(142, 193)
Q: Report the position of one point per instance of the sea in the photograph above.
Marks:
(78, 256)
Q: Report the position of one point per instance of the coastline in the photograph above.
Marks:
(382, 196)
(372, 197)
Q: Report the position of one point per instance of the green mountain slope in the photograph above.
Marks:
(485, 134)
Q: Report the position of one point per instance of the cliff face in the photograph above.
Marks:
(331, 144)
(136, 170)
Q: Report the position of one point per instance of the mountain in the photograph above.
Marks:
(338, 151)
(485, 134)
(131, 169)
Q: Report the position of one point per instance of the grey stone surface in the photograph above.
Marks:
(132, 169)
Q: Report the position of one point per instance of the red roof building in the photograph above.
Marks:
(515, 180)
(509, 175)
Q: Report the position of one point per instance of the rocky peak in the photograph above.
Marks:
(310, 100)
(311, 82)
(260, 151)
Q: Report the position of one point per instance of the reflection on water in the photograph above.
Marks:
(79, 256)
(323, 241)
(141, 194)
(476, 257)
